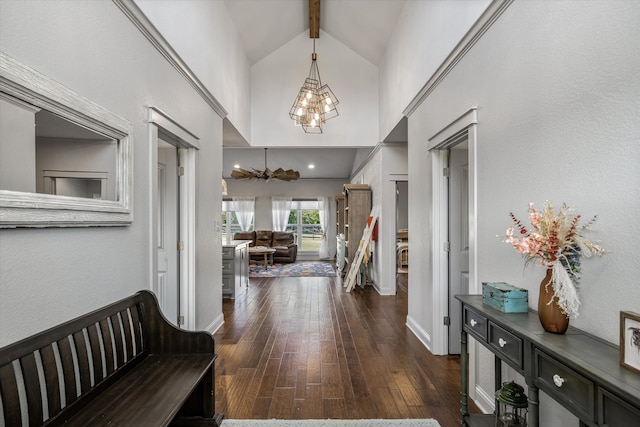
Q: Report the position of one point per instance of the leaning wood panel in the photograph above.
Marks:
(83, 361)
(9, 393)
(68, 373)
(32, 388)
(51, 379)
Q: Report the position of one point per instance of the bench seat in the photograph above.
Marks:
(159, 385)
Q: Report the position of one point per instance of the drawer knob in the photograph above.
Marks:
(558, 380)
(472, 322)
(501, 342)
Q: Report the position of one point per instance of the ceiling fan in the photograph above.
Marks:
(266, 174)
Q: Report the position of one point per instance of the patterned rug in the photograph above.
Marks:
(297, 269)
(331, 423)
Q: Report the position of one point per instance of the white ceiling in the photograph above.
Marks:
(263, 26)
(364, 26)
(330, 163)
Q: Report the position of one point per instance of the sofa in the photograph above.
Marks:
(282, 241)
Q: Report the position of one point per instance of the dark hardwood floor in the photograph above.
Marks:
(303, 348)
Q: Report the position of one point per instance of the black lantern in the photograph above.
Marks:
(512, 406)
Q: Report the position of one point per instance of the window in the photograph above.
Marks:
(230, 223)
(304, 223)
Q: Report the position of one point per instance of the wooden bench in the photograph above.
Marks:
(120, 365)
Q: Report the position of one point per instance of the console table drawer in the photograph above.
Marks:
(615, 412)
(227, 266)
(475, 323)
(228, 253)
(505, 344)
(565, 385)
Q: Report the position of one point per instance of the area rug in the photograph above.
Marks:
(296, 269)
(331, 423)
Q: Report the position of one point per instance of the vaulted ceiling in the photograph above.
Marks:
(364, 26)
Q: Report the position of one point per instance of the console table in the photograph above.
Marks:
(578, 370)
(235, 267)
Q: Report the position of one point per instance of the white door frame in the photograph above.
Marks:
(438, 144)
(187, 144)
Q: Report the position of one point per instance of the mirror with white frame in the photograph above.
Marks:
(66, 161)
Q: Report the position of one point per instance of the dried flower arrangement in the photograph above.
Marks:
(558, 242)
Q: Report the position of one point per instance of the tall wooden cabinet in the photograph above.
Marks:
(357, 206)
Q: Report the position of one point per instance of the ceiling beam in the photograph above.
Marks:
(314, 19)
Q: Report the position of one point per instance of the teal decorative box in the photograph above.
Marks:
(505, 297)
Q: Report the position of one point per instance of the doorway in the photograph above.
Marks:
(458, 237)
(402, 235)
(168, 220)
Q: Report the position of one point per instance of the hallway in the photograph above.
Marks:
(302, 348)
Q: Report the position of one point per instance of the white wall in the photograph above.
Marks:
(276, 81)
(51, 275)
(206, 39)
(425, 34)
(386, 165)
(558, 98)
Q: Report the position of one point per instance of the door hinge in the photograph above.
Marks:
(181, 245)
(180, 320)
(446, 247)
(445, 172)
(180, 170)
(447, 321)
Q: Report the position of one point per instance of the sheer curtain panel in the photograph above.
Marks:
(244, 207)
(280, 208)
(323, 210)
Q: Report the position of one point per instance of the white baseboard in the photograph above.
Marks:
(420, 333)
(485, 401)
(215, 325)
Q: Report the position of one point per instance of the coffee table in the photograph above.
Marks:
(266, 251)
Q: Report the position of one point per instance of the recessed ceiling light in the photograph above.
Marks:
(311, 166)
(236, 166)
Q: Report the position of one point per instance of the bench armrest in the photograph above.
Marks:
(165, 338)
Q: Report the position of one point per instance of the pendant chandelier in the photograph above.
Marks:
(315, 103)
(266, 174)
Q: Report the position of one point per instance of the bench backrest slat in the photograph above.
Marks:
(108, 344)
(68, 372)
(50, 368)
(10, 397)
(96, 354)
(117, 339)
(32, 388)
(48, 374)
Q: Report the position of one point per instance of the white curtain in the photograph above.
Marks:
(280, 208)
(244, 207)
(323, 210)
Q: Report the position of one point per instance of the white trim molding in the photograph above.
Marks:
(23, 209)
(419, 332)
(139, 19)
(187, 143)
(486, 20)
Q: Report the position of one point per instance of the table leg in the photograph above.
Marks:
(464, 376)
(266, 261)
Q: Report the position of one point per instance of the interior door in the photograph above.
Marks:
(458, 238)
(168, 232)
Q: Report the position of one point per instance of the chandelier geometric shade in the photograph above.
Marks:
(315, 103)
